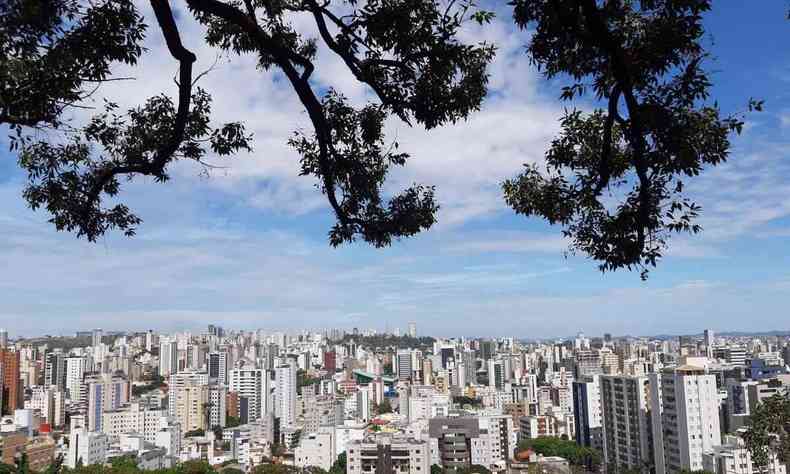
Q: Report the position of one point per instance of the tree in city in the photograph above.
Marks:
(384, 407)
(339, 466)
(768, 433)
(615, 178)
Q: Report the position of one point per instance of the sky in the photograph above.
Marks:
(247, 247)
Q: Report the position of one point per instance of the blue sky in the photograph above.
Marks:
(247, 247)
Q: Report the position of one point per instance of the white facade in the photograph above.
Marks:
(733, 458)
(75, 372)
(427, 407)
(405, 455)
(363, 406)
(168, 358)
(50, 403)
(133, 419)
(316, 450)
(285, 395)
(496, 443)
(252, 384)
(169, 437)
(86, 448)
(687, 421)
(217, 399)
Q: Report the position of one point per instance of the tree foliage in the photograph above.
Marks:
(768, 433)
(615, 178)
(384, 407)
(575, 454)
(407, 52)
(339, 466)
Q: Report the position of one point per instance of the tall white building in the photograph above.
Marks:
(285, 394)
(50, 403)
(253, 388)
(363, 406)
(218, 396)
(686, 421)
(168, 358)
(412, 329)
(96, 337)
(75, 373)
(710, 341)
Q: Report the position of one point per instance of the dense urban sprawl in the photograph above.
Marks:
(368, 402)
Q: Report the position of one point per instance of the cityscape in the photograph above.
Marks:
(403, 402)
(394, 237)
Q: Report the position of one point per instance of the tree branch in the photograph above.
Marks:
(166, 21)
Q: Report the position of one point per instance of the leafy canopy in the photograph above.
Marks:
(614, 179)
(406, 51)
(768, 433)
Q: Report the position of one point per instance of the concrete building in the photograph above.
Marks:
(183, 380)
(322, 411)
(316, 450)
(86, 448)
(388, 454)
(285, 394)
(253, 388)
(96, 337)
(537, 426)
(105, 392)
(453, 438)
(50, 403)
(363, 406)
(625, 407)
(732, 457)
(587, 413)
(134, 418)
(75, 373)
(217, 399)
(218, 367)
(403, 364)
(55, 370)
(191, 406)
(686, 423)
(496, 444)
(168, 358)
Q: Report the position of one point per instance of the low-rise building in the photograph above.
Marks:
(732, 457)
(386, 453)
(86, 448)
(316, 450)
